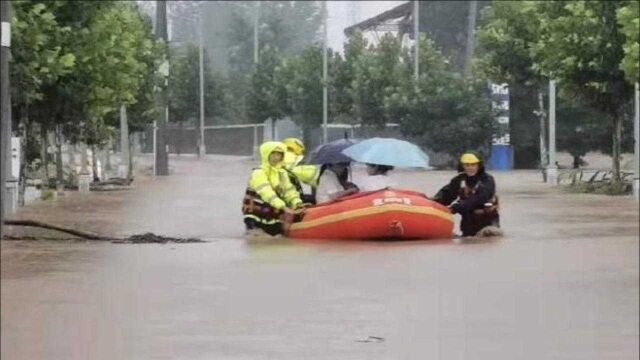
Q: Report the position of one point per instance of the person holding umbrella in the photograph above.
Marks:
(472, 194)
(334, 182)
(333, 179)
(381, 156)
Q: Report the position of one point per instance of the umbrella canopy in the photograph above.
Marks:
(331, 153)
(387, 151)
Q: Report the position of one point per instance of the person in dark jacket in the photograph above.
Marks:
(472, 194)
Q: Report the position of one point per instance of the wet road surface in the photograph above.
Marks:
(562, 283)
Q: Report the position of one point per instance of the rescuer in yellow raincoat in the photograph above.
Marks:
(270, 193)
(300, 174)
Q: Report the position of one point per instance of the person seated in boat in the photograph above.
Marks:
(334, 183)
(270, 194)
(300, 174)
(472, 194)
(377, 178)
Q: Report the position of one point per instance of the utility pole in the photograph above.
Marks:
(471, 26)
(256, 21)
(552, 169)
(636, 135)
(162, 157)
(201, 149)
(324, 73)
(416, 37)
(5, 120)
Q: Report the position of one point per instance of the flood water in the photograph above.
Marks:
(561, 284)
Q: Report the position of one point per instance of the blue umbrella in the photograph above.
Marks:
(386, 151)
(331, 153)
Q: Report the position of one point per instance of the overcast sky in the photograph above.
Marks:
(341, 12)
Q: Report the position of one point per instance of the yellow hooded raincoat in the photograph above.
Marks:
(306, 174)
(271, 185)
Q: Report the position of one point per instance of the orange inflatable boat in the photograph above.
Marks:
(383, 214)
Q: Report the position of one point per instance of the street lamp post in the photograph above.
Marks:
(416, 37)
(636, 135)
(201, 149)
(5, 119)
(552, 169)
(161, 164)
(324, 73)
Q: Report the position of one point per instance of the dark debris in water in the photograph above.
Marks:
(151, 238)
(371, 339)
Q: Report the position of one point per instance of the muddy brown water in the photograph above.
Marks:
(562, 283)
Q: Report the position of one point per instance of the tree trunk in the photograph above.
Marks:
(107, 161)
(543, 130)
(576, 161)
(94, 163)
(45, 156)
(59, 172)
(617, 142)
(179, 142)
(306, 136)
(130, 169)
(24, 144)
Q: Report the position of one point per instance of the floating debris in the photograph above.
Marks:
(149, 238)
(371, 339)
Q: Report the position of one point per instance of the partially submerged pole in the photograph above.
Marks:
(552, 169)
(201, 148)
(5, 119)
(636, 135)
(161, 164)
(123, 168)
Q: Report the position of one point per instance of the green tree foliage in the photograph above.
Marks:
(377, 73)
(629, 20)
(443, 111)
(508, 30)
(342, 96)
(581, 45)
(37, 55)
(262, 98)
(305, 88)
(184, 92)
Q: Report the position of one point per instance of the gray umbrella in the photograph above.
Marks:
(331, 153)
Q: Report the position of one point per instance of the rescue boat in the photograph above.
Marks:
(382, 214)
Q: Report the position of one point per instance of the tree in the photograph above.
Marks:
(88, 59)
(377, 74)
(506, 35)
(628, 19)
(263, 99)
(581, 45)
(37, 55)
(37, 58)
(342, 95)
(184, 93)
(443, 111)
(305, 88)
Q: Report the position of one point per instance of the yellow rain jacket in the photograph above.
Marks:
(271, 183)
(307, 174)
